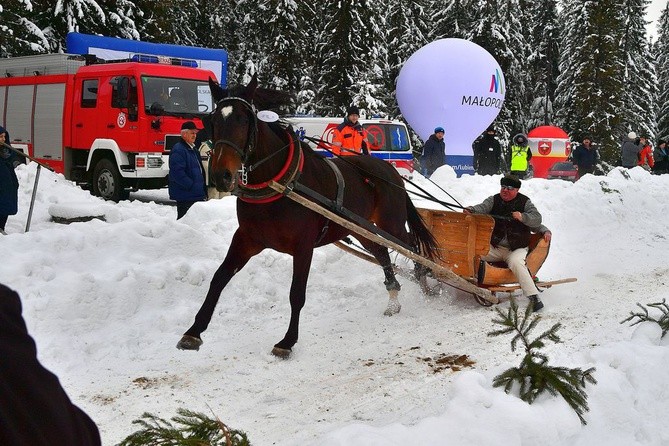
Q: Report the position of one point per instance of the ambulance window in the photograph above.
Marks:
(89, 93)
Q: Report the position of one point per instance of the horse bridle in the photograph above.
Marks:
(251, 137)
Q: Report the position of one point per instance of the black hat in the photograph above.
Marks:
(520, 139)
(588, 137)
(510, 180)
(188, 125)
(491, 128)
(661, 141)
(352, 110)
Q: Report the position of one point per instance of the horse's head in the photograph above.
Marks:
(234, 132)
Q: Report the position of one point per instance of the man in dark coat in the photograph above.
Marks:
(516, 218)
(186, 179)
(585, 157)
(488, 154)
(34, 408)
(433, 153)
(9, 183)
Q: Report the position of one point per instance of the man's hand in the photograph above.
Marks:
(466, 211)
(517, 216)
(547, 236)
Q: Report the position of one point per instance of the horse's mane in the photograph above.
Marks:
(266, 98)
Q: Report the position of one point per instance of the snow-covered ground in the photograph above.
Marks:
(106, 302)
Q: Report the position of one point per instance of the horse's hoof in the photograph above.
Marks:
(281, 352)
(188, 342)
(392, 311)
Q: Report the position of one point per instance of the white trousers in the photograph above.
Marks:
(516, 261)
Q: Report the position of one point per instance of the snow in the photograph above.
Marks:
(107, 301)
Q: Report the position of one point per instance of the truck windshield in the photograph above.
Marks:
(163, 95)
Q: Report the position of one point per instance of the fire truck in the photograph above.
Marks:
(107, 125)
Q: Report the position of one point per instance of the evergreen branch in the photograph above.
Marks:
(535, 376)
(644, 316)
(195, 429)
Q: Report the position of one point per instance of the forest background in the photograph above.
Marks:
(586, 66)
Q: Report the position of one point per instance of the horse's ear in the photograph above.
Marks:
(216, 91)
(251, 87)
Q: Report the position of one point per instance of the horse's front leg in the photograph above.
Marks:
(298, 289)
(242, 248)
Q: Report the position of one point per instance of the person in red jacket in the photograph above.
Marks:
(349, 136)
(646, 154)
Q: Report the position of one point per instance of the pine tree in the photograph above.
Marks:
(19, 35)
(534, 376)
(638, 72)
(543, 61)
(350, 53)
(450, 18)
(661, 51)
(500, 31)
(408, 31)
(590, 88)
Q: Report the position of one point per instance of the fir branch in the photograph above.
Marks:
(535, 376)
(644, 316)
(195, 429)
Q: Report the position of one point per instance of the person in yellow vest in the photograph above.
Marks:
(350, 138)
(520, 156)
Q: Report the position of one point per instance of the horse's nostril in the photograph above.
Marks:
(227, 176)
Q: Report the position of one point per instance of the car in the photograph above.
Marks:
(563, 170)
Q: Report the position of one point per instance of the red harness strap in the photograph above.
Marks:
(261, 193)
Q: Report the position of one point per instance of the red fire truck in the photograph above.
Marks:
(108, 126)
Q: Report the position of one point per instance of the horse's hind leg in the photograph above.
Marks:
(241, 250)
(380, 253)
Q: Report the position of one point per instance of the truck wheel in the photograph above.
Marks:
(107, 181)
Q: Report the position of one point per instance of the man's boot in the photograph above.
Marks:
(536, 303)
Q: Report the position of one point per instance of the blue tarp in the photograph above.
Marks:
(212, 59)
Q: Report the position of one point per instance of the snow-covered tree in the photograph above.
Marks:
(407, 32)
(543, 61)
(450, 18)
(19, 35)
(638, 72)
(351, 53)
(661, 51)
(590, 88)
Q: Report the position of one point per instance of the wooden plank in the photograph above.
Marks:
(540, 284)
(446, 274)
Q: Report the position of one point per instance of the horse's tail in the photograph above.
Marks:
(422, 237)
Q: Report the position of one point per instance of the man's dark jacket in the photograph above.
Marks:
(34, 409)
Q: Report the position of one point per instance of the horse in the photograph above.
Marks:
(249, 152)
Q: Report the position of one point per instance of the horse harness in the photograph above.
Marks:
(288, 176)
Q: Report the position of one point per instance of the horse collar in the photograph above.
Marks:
(261, 193)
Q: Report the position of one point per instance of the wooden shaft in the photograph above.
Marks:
(442, 272)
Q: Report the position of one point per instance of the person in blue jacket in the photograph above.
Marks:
(186, 179)
(432, 156)
(9, 183)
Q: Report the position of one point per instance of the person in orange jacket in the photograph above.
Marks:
(646, 154)
(349, 136)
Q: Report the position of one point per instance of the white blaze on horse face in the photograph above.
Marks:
(226, 111)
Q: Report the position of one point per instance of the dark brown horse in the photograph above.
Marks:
(247, 153)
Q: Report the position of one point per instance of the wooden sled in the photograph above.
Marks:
(464, 238)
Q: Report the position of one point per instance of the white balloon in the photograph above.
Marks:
(454, 84)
